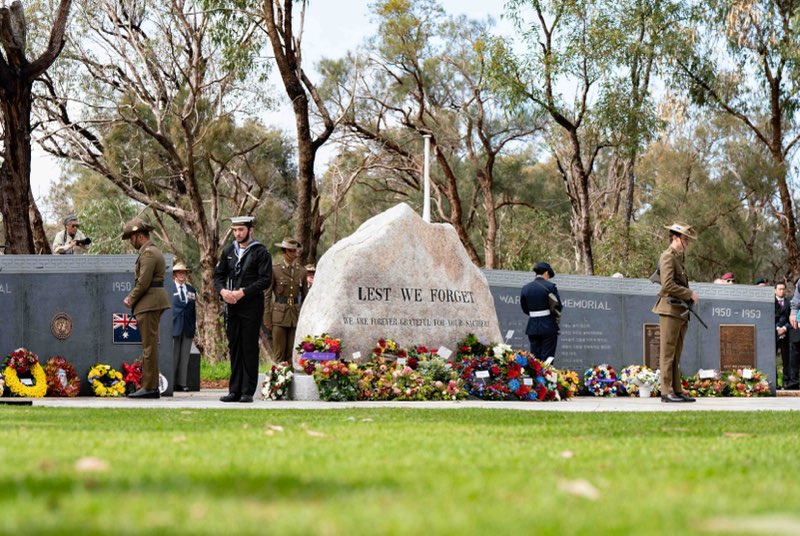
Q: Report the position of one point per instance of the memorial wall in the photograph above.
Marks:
(71, 306)
(609, 320)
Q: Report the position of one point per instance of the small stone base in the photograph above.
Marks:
(304, 388)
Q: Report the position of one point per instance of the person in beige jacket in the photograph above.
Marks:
(284, 299)
(672, 309)
(148, 300)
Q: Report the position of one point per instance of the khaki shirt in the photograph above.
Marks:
(285, 295)
(674, 285)
(148, 292)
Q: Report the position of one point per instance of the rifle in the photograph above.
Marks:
(690, 306)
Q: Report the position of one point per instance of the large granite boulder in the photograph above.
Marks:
(400, 278)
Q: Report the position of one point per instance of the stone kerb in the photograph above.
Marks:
(401, 278)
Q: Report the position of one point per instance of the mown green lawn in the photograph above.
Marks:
(397, 471)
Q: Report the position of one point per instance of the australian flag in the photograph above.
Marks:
(126, 330)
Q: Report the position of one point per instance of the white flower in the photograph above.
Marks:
(501, 349)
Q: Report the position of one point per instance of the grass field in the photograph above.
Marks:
(397, 471)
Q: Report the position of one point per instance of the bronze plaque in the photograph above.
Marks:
(651, 344)
(61, 326)
(737, 346)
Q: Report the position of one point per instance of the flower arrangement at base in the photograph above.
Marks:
(601, 380)
(2, 383)
(24, 364)
(132, 376)
(470, 346)
(106, 381)
(337, 381)
(544, 385)
(441, 380)
(747, 383)
(277, 382)
(62, 378)
(388, 349)
(647, 379)
(569, 383)
(483, 377)
(319, 346)
(705, 387)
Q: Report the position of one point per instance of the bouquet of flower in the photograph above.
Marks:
(323, 344)
(601, 380)
(407, 384)
(62, 378)
(2, 383)
(106, 381)
(277, 383)
(712, 387)
(388, 348)
(569, 383)
(647, 378)
(132, 376)
(337, 381)
(441, 380)
(483, 377)
(471, 346)
(747, 383)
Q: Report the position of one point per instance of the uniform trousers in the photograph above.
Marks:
(283, 343)
(147, 323)
(543, 346)
(243, 328)
(181, 346)
(672, 332)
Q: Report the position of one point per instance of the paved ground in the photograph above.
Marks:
(210, 399)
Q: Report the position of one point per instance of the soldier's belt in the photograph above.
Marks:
(677, 302)
(157, 285)
(289, 301)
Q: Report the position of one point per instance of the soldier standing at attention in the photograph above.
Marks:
(243, 273)
(148, 300)
(672, 308)
(285, 296)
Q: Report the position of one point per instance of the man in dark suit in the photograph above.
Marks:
(542, 329)
(148, 300)
(786, 338)
(184, 323)
(242, 275)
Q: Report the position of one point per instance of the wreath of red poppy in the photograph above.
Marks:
(62, 378)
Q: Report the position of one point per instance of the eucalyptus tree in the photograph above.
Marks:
(741, 58)
(147, 100)
(588, 65)
(427, 74)
(21, 218)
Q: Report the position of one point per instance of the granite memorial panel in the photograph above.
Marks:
(610, 320)
(71, 306)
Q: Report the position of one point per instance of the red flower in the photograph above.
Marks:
(413, 363)
(494, 370)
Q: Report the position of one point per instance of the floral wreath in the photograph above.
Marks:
(322, 343)
(23, 361)
(62, 379)
(388, 348)
(106, 381)
(277, 382)
(132, 376)
(601, 380)
(2, 383)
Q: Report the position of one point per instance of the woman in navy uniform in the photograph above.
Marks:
(242, 275)
(542, 327)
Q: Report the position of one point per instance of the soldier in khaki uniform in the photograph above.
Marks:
(284, 298)
(148, 300)
(672, 309)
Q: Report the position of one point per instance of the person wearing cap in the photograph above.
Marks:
(184, 323)
(70, 240)
(728, 278)
(761, 282)
(672, 308)
(284, 299)
(311, 269)
(148, 300)
(243, 273)
(539, 300)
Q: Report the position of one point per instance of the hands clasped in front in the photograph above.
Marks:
(231, 296)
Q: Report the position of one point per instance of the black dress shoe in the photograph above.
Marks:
(230, 397)
(246, 398)
(181, 388)
(145, 393)
(686, 397)
(672, 397)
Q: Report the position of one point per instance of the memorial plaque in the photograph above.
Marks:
(652, 345)
(737, 346)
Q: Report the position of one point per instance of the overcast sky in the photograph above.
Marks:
(332, 28)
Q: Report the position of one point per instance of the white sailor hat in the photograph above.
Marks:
(243, 220)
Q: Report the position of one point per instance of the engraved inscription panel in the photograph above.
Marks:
(651, 345)
(737, 346)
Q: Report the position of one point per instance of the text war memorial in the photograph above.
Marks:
(71, 306)
(609, 320)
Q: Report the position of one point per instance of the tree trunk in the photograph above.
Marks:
(15, 198)
(210, 339)
(787, 220)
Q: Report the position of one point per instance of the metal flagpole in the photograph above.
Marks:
(426, 203)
